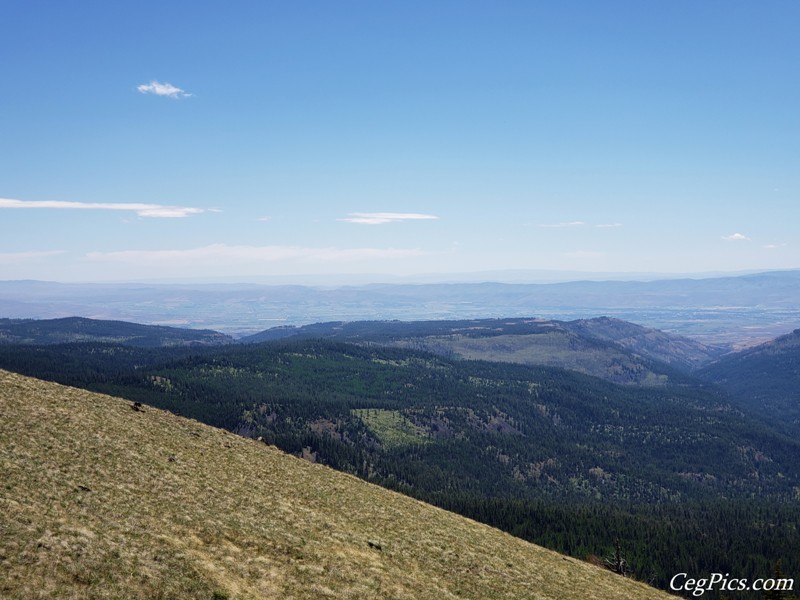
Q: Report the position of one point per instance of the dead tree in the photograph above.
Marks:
(617, 562)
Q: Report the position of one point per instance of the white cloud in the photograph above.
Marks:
(736, 237)
(379, 218)
(143, 210)
(162, 89)
(608, 225)
(225, 254)
(774, 246)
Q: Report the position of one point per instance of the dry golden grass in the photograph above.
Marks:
(98, 500)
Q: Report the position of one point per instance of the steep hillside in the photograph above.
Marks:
(101, 500)
(77, 329)
(765, 379)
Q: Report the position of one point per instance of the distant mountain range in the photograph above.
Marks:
(723, 310)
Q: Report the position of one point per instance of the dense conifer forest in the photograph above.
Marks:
(681, 477)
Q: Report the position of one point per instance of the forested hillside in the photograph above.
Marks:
(76, 329)
(103, 501)
(566, 460)
(764, 380)
(612, 349)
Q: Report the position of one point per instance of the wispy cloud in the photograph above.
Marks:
(143, 210)
(608, 225)
(379, 218)
(224, 253)
(736, 237)
(774, 246)
(163, 89)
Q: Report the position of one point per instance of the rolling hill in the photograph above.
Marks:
(78, 329)
(764, 379)
(105, 499)
(612, 349)
(683, 353)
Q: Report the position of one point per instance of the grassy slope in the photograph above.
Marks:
(101, 501)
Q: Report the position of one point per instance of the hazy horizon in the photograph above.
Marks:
(509, 276)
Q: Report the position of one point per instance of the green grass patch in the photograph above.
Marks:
(392, 429)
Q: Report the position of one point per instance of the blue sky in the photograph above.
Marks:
(251, 140)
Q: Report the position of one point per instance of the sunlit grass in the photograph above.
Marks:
(392, 429)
